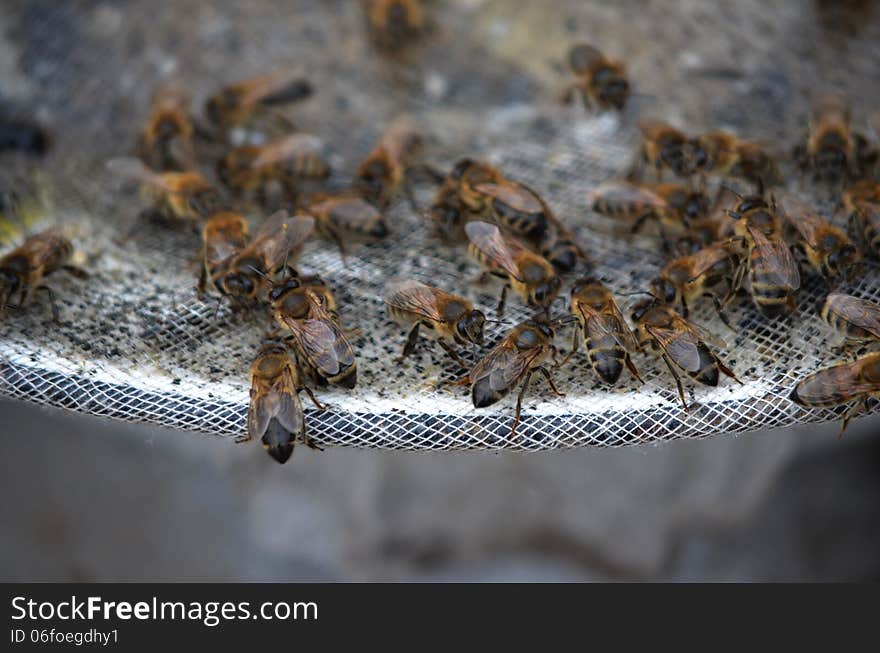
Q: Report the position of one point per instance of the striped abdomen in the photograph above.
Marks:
(708, 372)
(771, 298)
(606, 354)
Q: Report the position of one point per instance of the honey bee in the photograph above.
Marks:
(182, 196)
(235, 104)
(23, 269)
(318, 340)
(448, 214)
(709, 229)
(857, 319)
(514, 207)
(863, 190)
(833, 151)
(289, 295)
(681, 344)
(730, 156)
(381, 174)
(287, 161)
(607, 336)
(864, 224)
(687, 278)
(512, 362)
(839, 384)
(445, 316)
(345, 216)
(395, 24)
(530, 275)
(560, 247)
(826, 248)
(275, 414)
(772, 271)
(166, 141)
(601, 81)
(666, 148)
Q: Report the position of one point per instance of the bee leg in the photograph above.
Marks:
(243, 438)
(501, 300)
(52, 304)
(543, 370)
(575, 343)
(677, 380)
(410, 196)
(411, 340)
(75, 271)
(202, 286)
(851, 412)
(452, 354)
(726, 370)
(627, 359)
(640, 222)
(720, 310)
(685, 311)
(310, 443)
(519, 398)
(314, 399)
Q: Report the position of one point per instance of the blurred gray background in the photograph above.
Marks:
(93, 500)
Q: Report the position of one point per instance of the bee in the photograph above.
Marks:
(530, 275)
(181, 196)
(240, 268)
(448, 214)
(772, 271)
(514, 207)
(840, 384)
(345, 216)
(23, 269)
(666, 148)
(730, 156)
(864, 224)
(318, 340)
(833, 151)
(275, 414)
(512, 362)
(607, 336)
(711, 228)
(290, 299)
(681, 344)
(235, 104)
(287, 161)
(560, 247)
(601, 81)
(857, 319)
(687, 278)
(826, 248)
(395, 24)
(445, 316)
(863, 190)
(380, 175)
(457, 201)
(166, 141)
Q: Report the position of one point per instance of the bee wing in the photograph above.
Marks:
(514, 195)
(488, 239)
(505, 365)
(681, 346)
(278, 237)
(626, 338)
(134, 169)
(705, 258)
(321, 342)
(414, 297)
(778, 257)
(701, 333)
(626, 192)
(602, 324)
(582, 56)
(825, 387)
(285, 148)
(803, 218)
(861, 313)
(279, 402)
(276, 87)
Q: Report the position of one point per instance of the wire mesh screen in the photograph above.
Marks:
(134, 342)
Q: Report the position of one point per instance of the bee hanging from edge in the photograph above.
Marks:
(275, 414)
(236, 103)
(166, 141)
(601, 82)
(444, 316)
(381, 174)
(840, 384)
(857, 319)
(23, 269)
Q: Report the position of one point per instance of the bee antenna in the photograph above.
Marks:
(733, 192)
(260, 272)
(505, 322)
(638, 292)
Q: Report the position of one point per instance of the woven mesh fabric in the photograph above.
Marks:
(134, 342)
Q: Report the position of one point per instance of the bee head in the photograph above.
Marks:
(471, 325)
(546, 291)
(664, 290)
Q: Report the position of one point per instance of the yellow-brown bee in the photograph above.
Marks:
(858, 319)
(184, 196)
(166, 141)
(602, 82)
(285, 161)
(235, 104)
(680, 343)
(559, 246)
(290, 297)
(864, 224)
(833, 151)
(863, 190)
(395, 24)
(711, 228)
(607, 336)
(514, 207)
(840, 384)
(665, 147)
(826, 248)
(448, 214)
(730, 156)
(345, 216)
(23, 269)
(531, 276)
(381, 174)
(772, 271)
(446, 317)
(512, 362)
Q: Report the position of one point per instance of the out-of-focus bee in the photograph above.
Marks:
(345, 216)
(287, 161)
(235, 104)
(840, 384)
(318, 340)
(687, 278)
(512, 362)
(709, 229)
(445, 316)
(864, 225)
(395, 24)
(602, 82)
(730, 156)
(861, 191)
(275, 414)
(240, 268)
(514, 207)
(681, 344)
(772, 271)
(185, 196)
(166, 141)
(531, 276)
(826, 248)
(448, 214)
(665, 147)
(381, 174)
(857, 319)
(23, 269)
(833, 151)
(607, 336)
(559, 246)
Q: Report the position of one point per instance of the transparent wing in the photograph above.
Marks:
(623, 192)
(681, 346)
(825, 387)
(778, 259)
(704, 259)
(860, 313)
(803, 218)
(322, 344)
(415, 297)
(499, 250)
(514, 195)
(295, 144)
(505, 366)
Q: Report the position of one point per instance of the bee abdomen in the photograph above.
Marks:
(708, 372)
(278, 441)
(606, 357)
